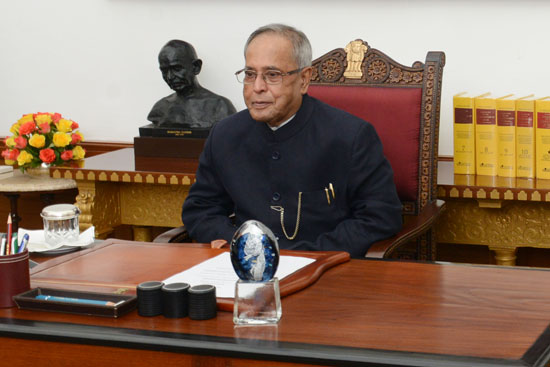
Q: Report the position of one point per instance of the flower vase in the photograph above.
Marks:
(41, 171)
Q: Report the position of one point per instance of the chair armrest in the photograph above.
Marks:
(415, 227)
(178, 234)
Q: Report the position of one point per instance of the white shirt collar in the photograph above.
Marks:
(281, 125)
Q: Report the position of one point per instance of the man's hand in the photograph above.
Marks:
(219, 244)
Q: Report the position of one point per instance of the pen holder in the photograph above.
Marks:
(14, 277)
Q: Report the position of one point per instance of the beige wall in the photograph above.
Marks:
(95, 60)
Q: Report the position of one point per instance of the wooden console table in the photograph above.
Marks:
(111, 192)
(498, 212)
(501, 213)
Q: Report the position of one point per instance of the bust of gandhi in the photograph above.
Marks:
(191, 106)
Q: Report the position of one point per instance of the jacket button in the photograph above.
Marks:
(276, 196)
(275, 155)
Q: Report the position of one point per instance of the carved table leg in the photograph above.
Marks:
(504, 256)
(99, 206)
(85, 202)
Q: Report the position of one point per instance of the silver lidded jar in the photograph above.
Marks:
(60, 223)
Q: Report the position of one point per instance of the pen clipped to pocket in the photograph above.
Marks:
(329, 191)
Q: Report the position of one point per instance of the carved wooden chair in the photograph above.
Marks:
(403, 105)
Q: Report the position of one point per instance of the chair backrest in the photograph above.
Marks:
(401, 102)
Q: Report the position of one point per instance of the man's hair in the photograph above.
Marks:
(300, 44)
(187, 48)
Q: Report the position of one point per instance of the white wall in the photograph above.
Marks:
(95, 61)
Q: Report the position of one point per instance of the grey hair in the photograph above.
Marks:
(300, 44)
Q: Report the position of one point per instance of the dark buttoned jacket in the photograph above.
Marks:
(320, 182)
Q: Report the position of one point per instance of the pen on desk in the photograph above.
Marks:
(86, 301)
(23, 243)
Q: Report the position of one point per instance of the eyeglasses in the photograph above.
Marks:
(247, 76)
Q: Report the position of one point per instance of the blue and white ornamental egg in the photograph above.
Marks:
(254, 252)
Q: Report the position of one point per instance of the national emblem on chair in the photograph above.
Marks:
(403, 104)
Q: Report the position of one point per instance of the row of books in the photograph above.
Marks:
(504, 136)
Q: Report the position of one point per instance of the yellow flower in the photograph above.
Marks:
(37, 141)
(64, 125)
(9, 162)
(43, 117)
(10, 142)
(76, 138)
(14, 129)
(26, 118)
(61, 139)
(24, 158)
(78, 152)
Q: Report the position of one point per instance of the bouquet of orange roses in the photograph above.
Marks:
(43, 138)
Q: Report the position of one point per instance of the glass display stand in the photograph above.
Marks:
(257, 303)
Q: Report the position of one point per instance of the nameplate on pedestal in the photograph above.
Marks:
(173, 132)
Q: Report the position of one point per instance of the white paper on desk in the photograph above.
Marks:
(218, 271)
(37, 243)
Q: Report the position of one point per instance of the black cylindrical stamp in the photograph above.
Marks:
(202, 302)
(174, 300)
(149, 297)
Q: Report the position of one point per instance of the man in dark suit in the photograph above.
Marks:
(314, 174)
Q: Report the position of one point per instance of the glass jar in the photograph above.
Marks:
(60, 223)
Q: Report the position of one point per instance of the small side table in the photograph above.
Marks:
(42, 184)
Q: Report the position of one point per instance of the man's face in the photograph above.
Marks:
(273, 104)
(177, 68)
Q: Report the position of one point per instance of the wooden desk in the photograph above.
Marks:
(111, 192)
(502, 213)
(360, 313)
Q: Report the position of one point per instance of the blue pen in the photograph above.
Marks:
(75, 300)
(23, 244)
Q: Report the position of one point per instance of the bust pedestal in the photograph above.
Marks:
(168, 148)
(166, 154)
